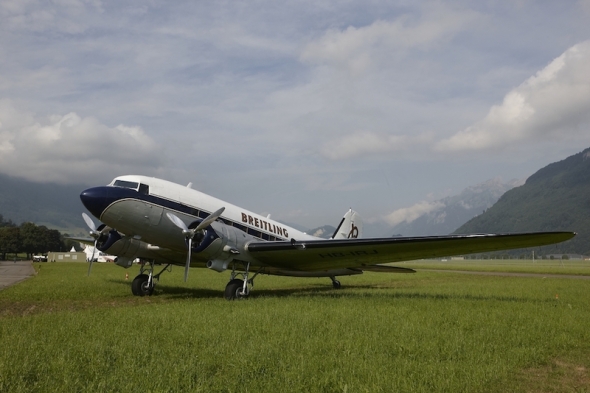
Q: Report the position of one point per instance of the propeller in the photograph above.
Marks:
(190, 233)
(94, 234)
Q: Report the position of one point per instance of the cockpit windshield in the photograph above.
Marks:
(126, 184)
(139, 187)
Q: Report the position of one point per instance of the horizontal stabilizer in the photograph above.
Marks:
(386, 269)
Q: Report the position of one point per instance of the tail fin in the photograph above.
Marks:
(351, 226)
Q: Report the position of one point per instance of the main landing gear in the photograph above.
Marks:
(144, 284)
(237, 288)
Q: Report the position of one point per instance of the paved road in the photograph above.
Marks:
(14, 272)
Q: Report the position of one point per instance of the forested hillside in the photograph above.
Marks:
(53, 205)
(555, 198)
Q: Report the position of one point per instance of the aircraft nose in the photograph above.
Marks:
(95, 200)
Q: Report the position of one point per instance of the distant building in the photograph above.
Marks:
(566, 256)
(66, 257)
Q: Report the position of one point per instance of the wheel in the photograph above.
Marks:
(232, 288)
(336, 284)
(140, 286)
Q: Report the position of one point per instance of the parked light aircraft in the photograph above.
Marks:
(166, 223)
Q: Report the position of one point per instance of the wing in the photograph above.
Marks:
(315, 255)
(85, 240)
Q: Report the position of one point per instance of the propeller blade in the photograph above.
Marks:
(188, 258)
(92, 258)
(89, 222)
(190, 233)
(207, 221)
(177, 221)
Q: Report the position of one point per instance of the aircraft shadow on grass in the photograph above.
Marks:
(320, 290)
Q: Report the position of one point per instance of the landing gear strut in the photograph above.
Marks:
(335, 283)
(238, 288)
(144, 284)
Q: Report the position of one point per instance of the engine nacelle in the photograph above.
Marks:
(203, 239)
(218, 265)
(229, 244)
(124, 262)
(126, 248)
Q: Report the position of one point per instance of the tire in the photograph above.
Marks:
(139, 286)
(232, 288)
(336, 284)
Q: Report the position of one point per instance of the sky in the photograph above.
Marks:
(299, 109)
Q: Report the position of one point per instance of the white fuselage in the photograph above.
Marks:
(144, 217)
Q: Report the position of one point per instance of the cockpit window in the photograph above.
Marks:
(144, 189)
(126, 184)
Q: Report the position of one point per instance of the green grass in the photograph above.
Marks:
(424, 332)
(542, 266)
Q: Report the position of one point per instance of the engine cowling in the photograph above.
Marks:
(125, 247)
(204, 238)
(221, 249)
(218, 265)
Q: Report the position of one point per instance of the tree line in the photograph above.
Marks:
(28, 238)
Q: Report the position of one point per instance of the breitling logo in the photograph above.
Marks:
(248, 219)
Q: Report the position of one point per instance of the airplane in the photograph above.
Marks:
(165, 223)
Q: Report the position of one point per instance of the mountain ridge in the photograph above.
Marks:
(555, 198)
(56, 206)
(449, 213)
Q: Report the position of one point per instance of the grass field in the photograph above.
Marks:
(424, 332)
(544, 266)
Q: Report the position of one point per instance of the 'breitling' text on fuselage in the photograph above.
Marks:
(258, 223)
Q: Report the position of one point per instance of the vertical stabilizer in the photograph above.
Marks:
(351, 226)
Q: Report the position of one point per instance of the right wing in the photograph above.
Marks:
(317, 255)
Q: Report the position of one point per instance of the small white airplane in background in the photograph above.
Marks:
(166, 223)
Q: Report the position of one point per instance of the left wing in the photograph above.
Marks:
(316, 255)
(85, 240)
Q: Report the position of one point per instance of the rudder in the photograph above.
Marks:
(351, 226)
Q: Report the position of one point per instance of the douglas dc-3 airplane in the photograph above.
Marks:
(166, 223)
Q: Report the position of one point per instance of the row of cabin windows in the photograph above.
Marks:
(145, 190)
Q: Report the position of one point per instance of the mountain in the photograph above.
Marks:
(446, 215)
(56, 206)
(324, 232)
(555, 198)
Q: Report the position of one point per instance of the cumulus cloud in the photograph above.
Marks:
(551, 104)
(409, 214)
(69, 148)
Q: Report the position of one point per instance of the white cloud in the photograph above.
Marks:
(366, 143)
(69, 148)
(409, 214)
(551, 104)
(68, 16)
(354, 47)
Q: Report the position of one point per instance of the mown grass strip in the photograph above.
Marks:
(425, 332)
(541, 266)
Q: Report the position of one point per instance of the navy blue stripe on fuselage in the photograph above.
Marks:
(97, 199)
